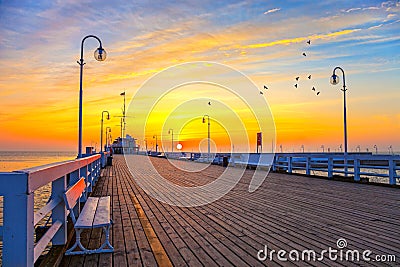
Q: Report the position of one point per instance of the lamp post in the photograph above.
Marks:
(123, 115)
(204, 121)
(335, 80)
(376, 149)
(100, 55)
(121, 126)
(155, 136)
(108, 130)
(101, 128)
(171, 131)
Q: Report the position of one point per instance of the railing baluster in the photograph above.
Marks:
(308, 165)
(356, 163)
(392, 172)
(59, 212)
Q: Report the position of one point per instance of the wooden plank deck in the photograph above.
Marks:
(287, 212)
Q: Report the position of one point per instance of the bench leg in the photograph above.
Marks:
(77, 244)
(106, 242)
(105, 247)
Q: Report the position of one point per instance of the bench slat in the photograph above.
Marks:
(102, 216)
(86, 217)
(74, 192)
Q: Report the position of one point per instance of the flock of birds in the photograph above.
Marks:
(298, 77)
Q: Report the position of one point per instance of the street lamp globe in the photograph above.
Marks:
(334, 79)
(100, 54)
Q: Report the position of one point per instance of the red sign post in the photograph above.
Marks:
(259, 142)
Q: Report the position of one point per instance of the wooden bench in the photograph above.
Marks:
(95, 214)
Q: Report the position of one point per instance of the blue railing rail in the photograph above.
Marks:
(19, 218)
(356, 165)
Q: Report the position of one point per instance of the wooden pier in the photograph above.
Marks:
(288, 212)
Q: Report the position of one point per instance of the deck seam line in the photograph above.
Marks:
(159, 252)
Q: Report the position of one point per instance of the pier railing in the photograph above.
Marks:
(19, 218)
(357, 165)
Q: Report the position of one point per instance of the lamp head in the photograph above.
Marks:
(108, 116)
(100, 54)
(204, 120)
(334, 79)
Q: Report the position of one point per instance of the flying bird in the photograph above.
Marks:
(309, 42)
(295, 85)
(265, 87)
(297, 78)
(304, 54)
(318, 93)
(313, 88)
(261, 93)
(209, 103)
(309, 77)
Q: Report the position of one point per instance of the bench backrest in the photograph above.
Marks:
(72, 195)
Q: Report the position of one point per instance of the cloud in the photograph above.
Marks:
(293, 40)
(359, 8)
(271, 11)
(353, 9)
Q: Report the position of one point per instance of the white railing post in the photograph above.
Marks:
(273, 163)
(330, 167)
(97, 169)
(59, 212)
(90, 175)
(18, 226)
(289, 162)
(308, 165)
(356, 167)
(392, 172)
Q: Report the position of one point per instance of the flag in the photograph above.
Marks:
(123, 93)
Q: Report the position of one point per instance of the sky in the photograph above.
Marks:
(263, 40)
